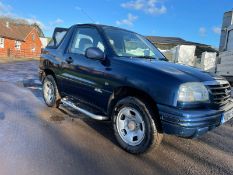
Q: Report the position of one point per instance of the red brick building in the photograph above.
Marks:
(19, 40)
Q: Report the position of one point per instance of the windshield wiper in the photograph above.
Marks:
(162, 59)
(152, 58)
(146, 57)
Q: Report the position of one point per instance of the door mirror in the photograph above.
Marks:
(95, 53)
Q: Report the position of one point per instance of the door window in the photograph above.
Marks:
(85, 38)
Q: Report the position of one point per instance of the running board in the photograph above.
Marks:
(83, 111)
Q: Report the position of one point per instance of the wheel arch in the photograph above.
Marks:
(125, 91)
(46, 72)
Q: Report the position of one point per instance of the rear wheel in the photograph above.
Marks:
(50, 92)
(134, 127)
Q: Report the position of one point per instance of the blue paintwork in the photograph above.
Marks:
(94, 82)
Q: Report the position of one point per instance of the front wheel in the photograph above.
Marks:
(134, 127)
(50, 92)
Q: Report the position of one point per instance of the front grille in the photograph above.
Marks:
(220, 93)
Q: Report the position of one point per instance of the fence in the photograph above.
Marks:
(22, 53)
(3, 53)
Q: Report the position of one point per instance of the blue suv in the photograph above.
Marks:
(108, 73)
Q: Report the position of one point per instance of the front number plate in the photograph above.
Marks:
(227, 116)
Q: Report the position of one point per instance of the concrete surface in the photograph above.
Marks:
(37, 140)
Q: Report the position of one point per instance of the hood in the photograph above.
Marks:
(182, 72)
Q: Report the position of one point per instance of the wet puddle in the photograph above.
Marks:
(2, 116)
(57, 118)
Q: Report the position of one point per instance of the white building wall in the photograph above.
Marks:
(44, 42)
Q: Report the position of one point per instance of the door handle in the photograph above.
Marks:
(69, 60)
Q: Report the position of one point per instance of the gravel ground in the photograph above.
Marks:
(37, 140)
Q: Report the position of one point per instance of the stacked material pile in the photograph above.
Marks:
(169, 54)
(185, 55)
(208, 61)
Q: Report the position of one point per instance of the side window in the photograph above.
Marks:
(57, 38)
(85, 38)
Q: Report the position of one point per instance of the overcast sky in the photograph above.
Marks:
(193, 20)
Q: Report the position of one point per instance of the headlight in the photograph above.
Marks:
(193, 92)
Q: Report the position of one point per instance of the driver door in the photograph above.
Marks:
(84, 78)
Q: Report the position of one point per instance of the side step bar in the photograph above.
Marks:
(83, 111)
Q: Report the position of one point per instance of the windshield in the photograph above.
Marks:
(128, 44)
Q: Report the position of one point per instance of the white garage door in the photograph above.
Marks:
(230, 41)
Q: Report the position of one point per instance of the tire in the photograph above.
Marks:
(135, 135)
(50, 91)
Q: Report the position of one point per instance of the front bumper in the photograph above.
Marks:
(190, 123)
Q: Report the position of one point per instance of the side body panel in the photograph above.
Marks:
(86, 80)
(94, 81)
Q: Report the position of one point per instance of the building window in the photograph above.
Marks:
(33, 49)
(2, 42)
(17, 45)
(33, 37)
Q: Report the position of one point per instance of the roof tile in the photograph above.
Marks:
(14, 31)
